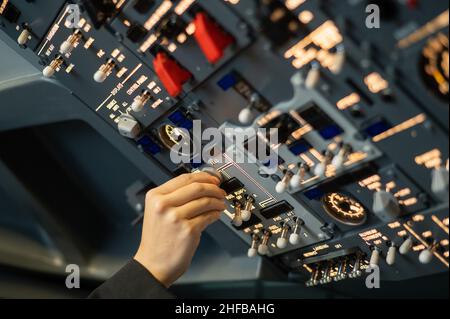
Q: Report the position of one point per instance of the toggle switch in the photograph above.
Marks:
(140, 101)
(298, 179)
(342, 271)
(53, 67)
(237, 220)
(294, 238)
(440, 183)
(246, 115)
(24, 36)
(211, 38)
(406, 247)
(172, 75)
(129, 127)
(321, 168)
(282, 241)
(391, 254)
(71, 42)
(283, 185)
(248, 208)
(253, 250)
(375, 257)
(356, 272)
(104, 71)
(339, 60)
(339, 160)
(427, 255)
(386, 206)
(263, 248)
(212, 171)
(313, 76)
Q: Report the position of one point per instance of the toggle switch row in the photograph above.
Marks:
(289, 235)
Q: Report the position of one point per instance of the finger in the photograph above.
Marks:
(200, 223)
(199, 207)
(187, 179)
(193, 192)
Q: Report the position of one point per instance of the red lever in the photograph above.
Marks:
(171, 74)
(211, 38)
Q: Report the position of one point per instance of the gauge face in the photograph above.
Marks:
(344, 209)
(171, 136)
(435, 65)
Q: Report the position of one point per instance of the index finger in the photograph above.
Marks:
(186, 179)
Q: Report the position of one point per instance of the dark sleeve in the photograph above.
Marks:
(132, 282)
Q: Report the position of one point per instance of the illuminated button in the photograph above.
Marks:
(171, 74)
(104, 71)
(129, 127)
(51, 69)
(211, 38)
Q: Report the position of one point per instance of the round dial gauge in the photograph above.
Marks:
(171, 136)
(344, 209)
(435, 65)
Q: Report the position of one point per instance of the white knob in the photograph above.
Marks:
(426, 256)
(100, 76)
(391, 255)
(48, 71)
(137, 105)
(375, 258)
(406, 247)
(339, 60)
(282, 243)
(263, 250)
(212, 171)
(338, 161)
(66, 47)
(245, 116)
(296, 181)
(246, 215)
(320, 169)
(252, 252)
(237, 221)
(313, 77)
(24, 36)
(281, 187)
(294, 239)
(440, 183)
(386, 206)
(129, 127)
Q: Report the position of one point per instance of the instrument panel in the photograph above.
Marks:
(361, 172)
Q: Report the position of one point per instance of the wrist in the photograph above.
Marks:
(153, 269)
